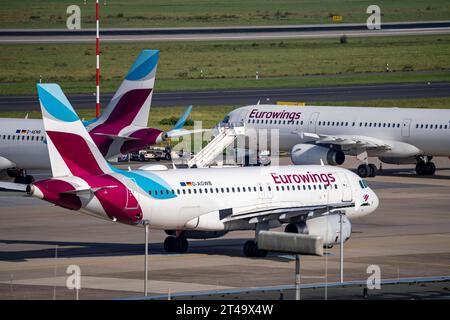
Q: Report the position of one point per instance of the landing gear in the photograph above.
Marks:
(425, 168)
(176, 244)
(251, 250)
(367, 170)
(20, 176)
(27, 179)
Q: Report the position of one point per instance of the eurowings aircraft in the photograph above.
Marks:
(121, 129)
(194, 203)
(313, 133)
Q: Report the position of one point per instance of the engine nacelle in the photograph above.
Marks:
(311, 154)
(327, 227)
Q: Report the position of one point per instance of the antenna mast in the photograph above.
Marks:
(97, 53)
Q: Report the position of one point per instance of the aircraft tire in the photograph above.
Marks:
(248, 248)
(363, 170)
(170, 244)
(430, 169)
(372, 170)
(181, 244)
(258, 252)
(421, 168)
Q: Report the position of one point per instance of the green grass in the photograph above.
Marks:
(222, 65)
(181, 13)
(211, 115)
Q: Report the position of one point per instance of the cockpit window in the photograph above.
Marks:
(226, 119)
(363, 184)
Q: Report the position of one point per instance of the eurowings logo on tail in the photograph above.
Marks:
(82, 178)
(130, 105)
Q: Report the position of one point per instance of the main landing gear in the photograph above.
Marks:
(425, 168)
(178, 244)
(251, 250)
(20, 176)
(367, 170)
(251, 246)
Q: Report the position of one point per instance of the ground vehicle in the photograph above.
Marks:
(152, 153)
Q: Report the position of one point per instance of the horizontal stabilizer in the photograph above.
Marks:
(116, 137)
(87, 190)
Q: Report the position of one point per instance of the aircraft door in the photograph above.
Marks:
(346, 187)
(406, 127)
(132, 195)
(312, 122)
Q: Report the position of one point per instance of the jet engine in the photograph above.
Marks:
(327, 227)
(311, 154)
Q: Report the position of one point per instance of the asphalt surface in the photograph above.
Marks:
(240, 97)
(407, 237)
(222, 33)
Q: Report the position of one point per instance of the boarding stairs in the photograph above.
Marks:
(226, 136)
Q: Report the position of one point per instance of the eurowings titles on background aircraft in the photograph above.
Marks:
(121, 129)
(199, 203)
(314, 133)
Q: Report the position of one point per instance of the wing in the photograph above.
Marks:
(184, 132)
(349, 141)
(284, 212)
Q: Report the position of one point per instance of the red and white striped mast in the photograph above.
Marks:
(97, 53)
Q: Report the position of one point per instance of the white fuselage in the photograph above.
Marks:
(194, 199)
(412, 131)
(23, 144)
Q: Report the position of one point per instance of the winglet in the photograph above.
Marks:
(180, 123)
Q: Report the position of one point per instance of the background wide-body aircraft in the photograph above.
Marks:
(314, 133)
(194, 203)
(121, 128)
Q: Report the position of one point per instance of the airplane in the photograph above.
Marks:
(194, 203)
(121, 129)
(319, 133)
